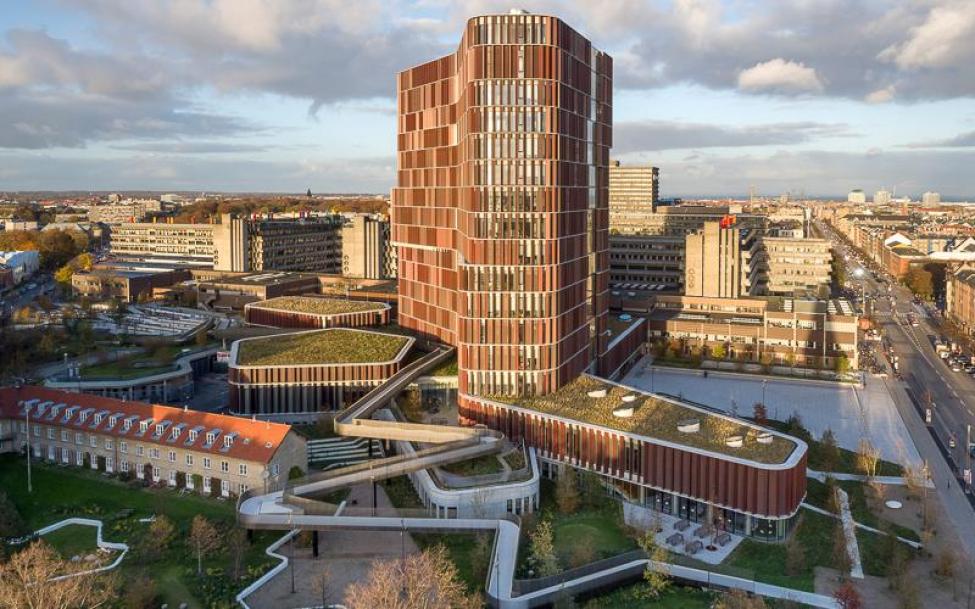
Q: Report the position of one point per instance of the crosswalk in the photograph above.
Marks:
(331, 453)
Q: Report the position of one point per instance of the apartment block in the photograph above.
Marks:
(208, 453)
(960, 297)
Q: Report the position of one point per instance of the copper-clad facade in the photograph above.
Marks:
(500, 212)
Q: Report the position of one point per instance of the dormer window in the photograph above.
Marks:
(227, 441)
(112, 420)
(143, 426)
(174, 434)
(192, 435)
(210, 437)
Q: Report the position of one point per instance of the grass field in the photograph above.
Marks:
(630, 597)
(74, 540)
(64, 492)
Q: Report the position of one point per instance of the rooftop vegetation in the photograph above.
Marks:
(656, 418)
(333, 346)
(318, 306)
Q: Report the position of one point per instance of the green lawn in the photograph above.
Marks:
(74, 540)
(63, 492)
(598, 531)
(488, 464)
(856, 491)
(847, 458)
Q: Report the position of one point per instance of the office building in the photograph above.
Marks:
(123, 211)
(203, 452)
(645, 262)
(633, 193)
(856, 196)
(882, 197)
(125, 284)
(500, 213)
(931, 198)
(235, 244)
(796, 266)
(723, 260)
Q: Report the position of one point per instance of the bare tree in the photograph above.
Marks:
(739, 599)
(203, 540)
(567, 490)
(867, 458)
(27, 581)
(237, 549)
(323, 584)
(427, 579)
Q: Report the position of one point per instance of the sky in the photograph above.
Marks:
(811, 97)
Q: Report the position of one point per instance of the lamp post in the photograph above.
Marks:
(764, 385)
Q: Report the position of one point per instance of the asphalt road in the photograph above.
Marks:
(952, 393)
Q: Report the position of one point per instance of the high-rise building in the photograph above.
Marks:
(931, 198)
(856, 196)
(882, 197)
(633, 193)
(500, 213)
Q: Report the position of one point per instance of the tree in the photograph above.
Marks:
(323, 584)
(760, 413)
(842, 365)
(739, 599)
(140, 594)
(236, 549)
(655, 576)
(481, 556)
(427, 579)
(920, 282)
(37, 564)
(867, 458)
(11, 524)
(567, 490)
(847, 597)
(203, 540)
(829, 451)
(541, 550)
(719, 352)
(946, 564)
(158, 538)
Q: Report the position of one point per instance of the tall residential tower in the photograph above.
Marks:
(500, 212)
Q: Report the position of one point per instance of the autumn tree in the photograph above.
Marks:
(829, 451)
(159, 536)
(867, 458)
(427, 579)
(27, 582)
(760, 413)
(656, 577)
(567, 490)
(541, 550)
(847, 597)
(920, 282)
(237, 549)
(203, 540)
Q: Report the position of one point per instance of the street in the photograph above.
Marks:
(923, 374)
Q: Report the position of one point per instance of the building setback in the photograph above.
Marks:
(500, 213)
(209, 453)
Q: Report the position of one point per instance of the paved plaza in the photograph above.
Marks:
(851, 412)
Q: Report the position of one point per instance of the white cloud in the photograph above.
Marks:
(945, 39)
(880, 96)
(779, 75)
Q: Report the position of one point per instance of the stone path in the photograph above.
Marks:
(849, 531)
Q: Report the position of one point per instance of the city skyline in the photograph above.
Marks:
(261, 96)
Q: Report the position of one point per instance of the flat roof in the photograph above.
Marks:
(268, 278)
(317, 305)
(657, 418)
(331, 346)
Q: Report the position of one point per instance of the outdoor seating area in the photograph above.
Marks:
(682, 536)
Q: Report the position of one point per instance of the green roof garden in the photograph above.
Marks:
(591, 400)
(317, 306)
(332, 346)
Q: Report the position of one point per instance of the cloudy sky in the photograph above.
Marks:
(814, 96)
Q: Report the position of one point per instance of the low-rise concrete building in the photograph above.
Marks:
(234, 290)
(127, 284)
(203, 452)
(798, 266)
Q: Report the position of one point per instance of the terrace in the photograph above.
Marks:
(594, 401)
(332, 346)
(317, 306)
